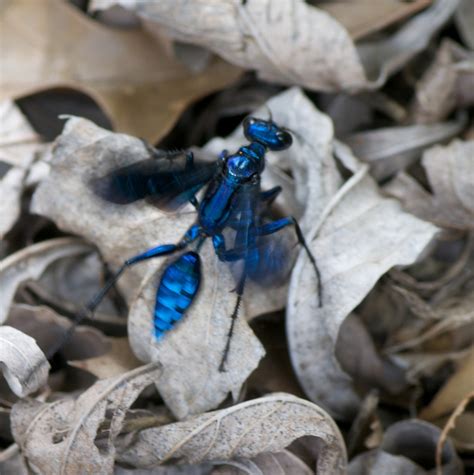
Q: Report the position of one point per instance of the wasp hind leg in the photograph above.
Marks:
(279, 224)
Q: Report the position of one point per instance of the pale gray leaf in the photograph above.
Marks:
(267, 424)
(464, 18)
(450, 171)
(30, 263)
(391, 149)
(22, 362)
(353, 251)
(56, 437)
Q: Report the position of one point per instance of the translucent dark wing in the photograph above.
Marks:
(267, 258)
(166, 183)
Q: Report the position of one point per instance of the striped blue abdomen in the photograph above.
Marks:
(178, 287)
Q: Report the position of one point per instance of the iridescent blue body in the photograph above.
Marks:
(232, 200)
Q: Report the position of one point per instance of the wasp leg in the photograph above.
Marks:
(279, 224)
(230, 255)
(269, 196)
(233, 318)
(191, 235)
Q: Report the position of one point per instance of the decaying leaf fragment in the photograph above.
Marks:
(130, 76)
(291, 42)
(59, 437)
(450, 171)
(267, 424)
(446, 84)
(21, 361)
(30, 263)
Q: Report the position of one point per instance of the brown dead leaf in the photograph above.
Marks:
(450, 171)
(363, 17)
(50, 43)
(267, 424)
(117, 360)
(55, 437)
(453, 391)
(291, 42)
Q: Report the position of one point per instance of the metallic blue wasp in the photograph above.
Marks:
(233, 200)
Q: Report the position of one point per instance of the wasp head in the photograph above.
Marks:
(267, 133)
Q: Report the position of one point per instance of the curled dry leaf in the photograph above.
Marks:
(353, 251)
(30, 263)
(22, 362)
(291, 42)
(55, 437)
(267, 424)
(450, 171)
(391, 149)
(464, 18)
(446, 85)
(407, 447)
(453, 391)
(130, 76)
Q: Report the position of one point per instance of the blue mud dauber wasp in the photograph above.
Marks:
(233, 200)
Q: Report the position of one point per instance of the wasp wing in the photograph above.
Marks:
(167, 183)
(267, 258)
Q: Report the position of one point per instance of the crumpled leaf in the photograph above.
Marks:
(290, 42)
(391, 149)
(445, 85)
(450, 171)
(18, 147)
(353, 250)
(140, 88)
(407, 447)
(12, 461)
(22, 362)
(30, 263)
(55, 437)
(267, 424)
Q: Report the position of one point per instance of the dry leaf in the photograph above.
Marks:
(59, 438)
(291, 42)
(408, 447)
(464, 18)
(391, 149)
(18, 147)
(267, 424)
(461, 434)
(22, 362)
(353, 251)
(130, 76)
(266, 463)
(453, 391)
(118, 360)
(12, 461)
(362, 17)
(446, 85)
(30, 263)
(450, 172)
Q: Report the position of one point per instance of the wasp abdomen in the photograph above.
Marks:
(178, 287)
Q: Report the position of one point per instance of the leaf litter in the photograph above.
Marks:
(389, 221)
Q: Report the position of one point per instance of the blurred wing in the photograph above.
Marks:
(267, 258)
(166, 183)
